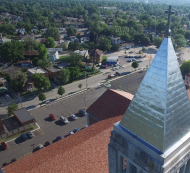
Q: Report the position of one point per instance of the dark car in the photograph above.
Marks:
(130, 60)
(81, 111)
(131, 52)
(13, 160)
(30, 135)
(58, 138)
(24, 137)
(52, 117)
(4, 145)
(75, 130)
(5, 164)
(47, 143)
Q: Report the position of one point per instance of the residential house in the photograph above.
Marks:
(28, 85)
(96, 56)
(20, 31)
(31, 55)
(37, 70)
(126, 46)
(74, 24)
(34, 30)
(88, 65)
(73, 38)
(83, 53)
(2, 82)
(53, 56)
(53, 72)
(24, 63)
(116, 40)
(55, 49)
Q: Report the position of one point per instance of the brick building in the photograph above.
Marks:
(96, 56)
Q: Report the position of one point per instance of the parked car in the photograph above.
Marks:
(24, 137)
(52, 117)
(47, 143)
(13, 160)
(133, 59)
(7, 96)
(81, 111)
(130, 60)
(4, 145)
(4, 164)
(70, 133)
(40, 146)
(58, 138)
(139, 61)
(75, 130)
(73, 117)
(30, 135)
(131, 52)
(64, 120)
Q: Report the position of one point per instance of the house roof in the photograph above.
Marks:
(84, 151)
(53, 68)
(36, 70)
(97, 51)
(24, 62)
(105, 106)
(23, 115)
(31, 53)
(89, 64)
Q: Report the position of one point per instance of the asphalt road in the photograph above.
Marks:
(49, 130)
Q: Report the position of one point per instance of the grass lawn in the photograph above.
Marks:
(64, 58)
(32, 127)
(104, 59)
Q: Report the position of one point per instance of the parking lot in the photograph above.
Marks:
(49, 129)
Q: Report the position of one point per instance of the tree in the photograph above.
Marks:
(74, 73)
(64, 75)
(7, 28)
(50, 42)
(44, 63)
(42, 50)
(40, 81)
(179, 40)
(143, 49)
(61, 91)
(42, 97)
(71, 31)
(74, 45)
(126, 37)
(75, 59)
(185, 67)
(12, 51)
(52, 32)
(104, 44)
(115, 47)
(18, 82)
(135, 64)
(11, 108)
(30, 44)
(158, 41)
(80, 86)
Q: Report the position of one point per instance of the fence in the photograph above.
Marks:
(18, 130)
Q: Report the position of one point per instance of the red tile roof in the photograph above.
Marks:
(110, 104)
(83, 152)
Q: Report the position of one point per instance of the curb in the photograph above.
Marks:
(31, 131)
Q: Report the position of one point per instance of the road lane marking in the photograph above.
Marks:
(41, 132)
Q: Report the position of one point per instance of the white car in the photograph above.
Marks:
(64, 120)
(7, 96)
(70, 133)
(72, 116)
(40, 146)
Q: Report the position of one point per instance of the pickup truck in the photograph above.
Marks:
(111, 75)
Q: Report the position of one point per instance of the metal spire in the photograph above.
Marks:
(168, 31)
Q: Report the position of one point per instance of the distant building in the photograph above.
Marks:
(88, 65)
(116, 40)
(53, 56)
(83, 53)
(25, 63)
(96, 56)
(37, 70)
(111, 59)
(31, 55)
(53, 72)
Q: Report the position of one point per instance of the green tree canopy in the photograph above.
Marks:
(42, 97)
(52, 32)
(61, 91)
(50, 42)
(12, 51)
(64, 75)
(74, 73)
(185, 67)
(40, 81)
(158, 41)
(7, 28)
(71, 31)
(104, 44)
(30, 44)
(74, 45)
(11, 108)
(42, 50)
(43, 63)
(135, 64)
(179, 40)
(75, 59)
(80, 86)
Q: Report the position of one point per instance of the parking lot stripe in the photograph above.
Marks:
(41, 132)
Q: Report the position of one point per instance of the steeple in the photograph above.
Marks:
(160, 110)
(168, 31)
